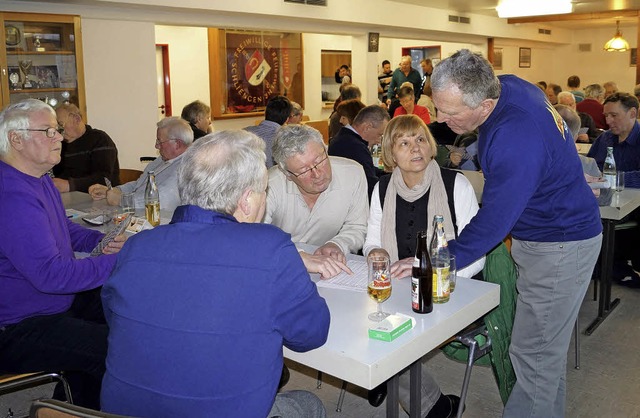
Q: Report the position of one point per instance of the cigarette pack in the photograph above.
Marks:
(391, 328)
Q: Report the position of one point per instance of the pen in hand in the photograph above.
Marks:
(108, 183)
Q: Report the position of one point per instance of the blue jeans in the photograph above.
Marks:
(553, 278)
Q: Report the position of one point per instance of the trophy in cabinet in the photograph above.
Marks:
(37, 44)
(25, 67)
(14, 79)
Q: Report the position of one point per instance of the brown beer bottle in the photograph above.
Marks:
(422, 277)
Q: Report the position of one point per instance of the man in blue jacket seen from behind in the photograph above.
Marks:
(199, 310)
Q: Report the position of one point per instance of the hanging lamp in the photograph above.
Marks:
(617, 43)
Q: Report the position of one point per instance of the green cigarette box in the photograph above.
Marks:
(391, 328)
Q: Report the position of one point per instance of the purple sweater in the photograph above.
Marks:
(38, 272)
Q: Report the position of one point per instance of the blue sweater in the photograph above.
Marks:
(626, 153)
(349, 144)
(39, 274)
(198, 312)
(534, 185)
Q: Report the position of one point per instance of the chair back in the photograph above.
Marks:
(50, 408)
(322, 126)
(127, 175)
(10, 383)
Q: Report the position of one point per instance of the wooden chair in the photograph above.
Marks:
(127, 175)
(322, 126)
(14, 382)
(49, 408)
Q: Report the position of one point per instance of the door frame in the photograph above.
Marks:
(166, 78)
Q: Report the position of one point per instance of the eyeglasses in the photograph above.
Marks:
(308, 170)
(158, 142)
(49, 132)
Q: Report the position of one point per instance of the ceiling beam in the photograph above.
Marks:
(613, 14)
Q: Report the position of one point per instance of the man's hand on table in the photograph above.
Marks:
(331, 250)
(327, 260)
(116, 245)
(100, 191)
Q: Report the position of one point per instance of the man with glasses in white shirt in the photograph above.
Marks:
(319, 200)
(174, 136)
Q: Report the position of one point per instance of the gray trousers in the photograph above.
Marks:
(553, 278)
(429, 391)
(297, 404)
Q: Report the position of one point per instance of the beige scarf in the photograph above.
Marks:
(437, 205)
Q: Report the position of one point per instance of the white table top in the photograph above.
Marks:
(622, 204)
(351, 355)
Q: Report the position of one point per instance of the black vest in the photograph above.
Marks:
(411, 217)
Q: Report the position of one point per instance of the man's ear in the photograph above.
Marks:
(244, 204)
(487, 107)
(16, 140)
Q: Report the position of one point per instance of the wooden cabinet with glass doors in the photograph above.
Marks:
(41, 58)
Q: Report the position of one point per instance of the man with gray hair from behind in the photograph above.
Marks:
(200, 309)
(535, 190)
(319, 200)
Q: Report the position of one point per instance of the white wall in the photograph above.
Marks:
(119, 48)
(598, 66)
(188, 64)
(119, 66)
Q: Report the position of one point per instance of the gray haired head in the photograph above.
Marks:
(292, 140)
(16, 117)
(219, 167)
(470, 73)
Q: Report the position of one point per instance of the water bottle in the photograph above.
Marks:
(609, 170)
(152, 200)
(439, 250)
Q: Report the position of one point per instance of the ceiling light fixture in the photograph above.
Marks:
(617, 43)
(519, 8)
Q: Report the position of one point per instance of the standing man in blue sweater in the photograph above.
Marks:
(535, 190)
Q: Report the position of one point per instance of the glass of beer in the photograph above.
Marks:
(379, 286)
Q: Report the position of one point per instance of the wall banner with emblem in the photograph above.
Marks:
(249, 67)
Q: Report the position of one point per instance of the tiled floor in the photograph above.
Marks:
(606, 386)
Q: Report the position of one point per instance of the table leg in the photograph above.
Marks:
(605, 305)
(392, 397)
(415, 392)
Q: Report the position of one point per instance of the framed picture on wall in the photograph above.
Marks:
(633, 57)
(497, 58)
(247, 68)
(525, 58)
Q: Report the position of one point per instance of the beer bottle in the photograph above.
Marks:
(152, 200)
(421, 277)
(439, 250)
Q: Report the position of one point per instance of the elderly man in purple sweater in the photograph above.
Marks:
(50, 313)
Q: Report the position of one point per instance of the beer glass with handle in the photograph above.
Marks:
(379, 286)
